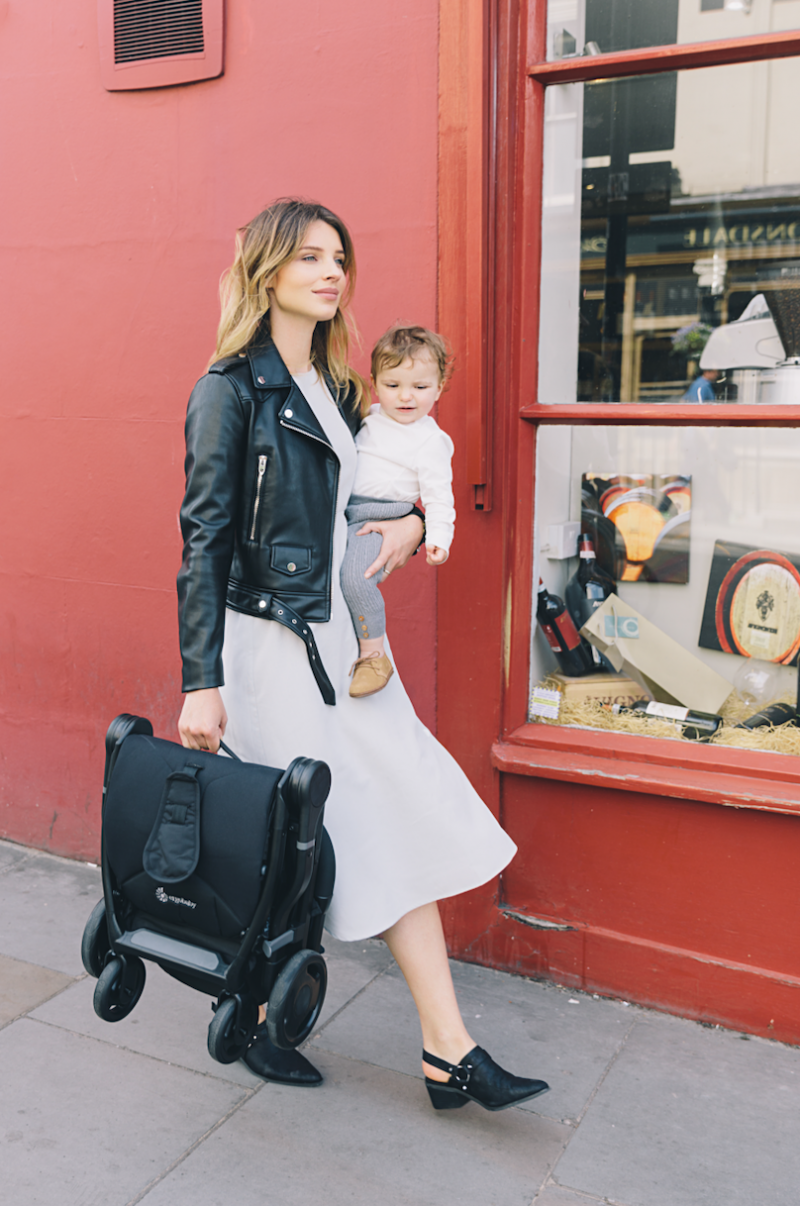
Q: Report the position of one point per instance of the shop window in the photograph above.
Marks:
(671, 238)
(154, 43)
(690, 540)
(576, 27)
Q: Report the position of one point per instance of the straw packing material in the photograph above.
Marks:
(589, 714)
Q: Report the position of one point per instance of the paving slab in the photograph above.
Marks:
(170, 1022)
(88, 1123)
(23, 986)
(11, 854)
(351, 967)
(367, 1136)
(691, 1116)
(44, 905)
(529, 1028)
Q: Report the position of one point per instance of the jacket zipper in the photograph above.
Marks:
(262, 466)
(325, 444)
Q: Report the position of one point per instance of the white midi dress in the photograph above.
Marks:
(407, 826)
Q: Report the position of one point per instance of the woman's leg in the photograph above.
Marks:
(417, 943)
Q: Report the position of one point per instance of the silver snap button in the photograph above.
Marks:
(291, 567)
(289, 414)
(261, 381)
(280, 611)
(261, 605)
(294, 621)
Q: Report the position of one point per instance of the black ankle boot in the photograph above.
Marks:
(283, 1067)
(478, 1078)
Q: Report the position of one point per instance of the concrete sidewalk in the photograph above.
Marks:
(645, 1109)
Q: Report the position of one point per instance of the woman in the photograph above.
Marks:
(269, 465)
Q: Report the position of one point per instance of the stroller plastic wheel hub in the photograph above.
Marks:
(296, 999)
(231, 1029)
(95, 944)
(119, 987)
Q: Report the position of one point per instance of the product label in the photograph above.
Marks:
(567, 630)
(544, 703)
(552, 639)
(668, 711)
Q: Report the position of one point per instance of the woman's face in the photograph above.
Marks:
(310, 286)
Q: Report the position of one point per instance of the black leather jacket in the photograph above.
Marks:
(258, 515)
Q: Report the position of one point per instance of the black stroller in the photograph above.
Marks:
(221, 872)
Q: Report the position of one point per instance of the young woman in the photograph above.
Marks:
(270, 460)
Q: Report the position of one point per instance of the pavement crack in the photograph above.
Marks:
(320, 1030)
(247, 1096)
(590, 1099)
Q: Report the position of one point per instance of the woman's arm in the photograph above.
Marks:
(401, 538)
(216, 436)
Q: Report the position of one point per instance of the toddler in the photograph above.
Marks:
(403, 455)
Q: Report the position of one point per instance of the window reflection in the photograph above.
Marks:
(671, 249)
(577, 27)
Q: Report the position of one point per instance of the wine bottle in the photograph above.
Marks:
(699, 726)
(587, 589)
(561, 634)
(777, 713)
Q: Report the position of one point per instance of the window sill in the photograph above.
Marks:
(664, 414)
(712, 774)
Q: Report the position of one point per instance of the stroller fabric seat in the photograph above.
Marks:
(183, 847)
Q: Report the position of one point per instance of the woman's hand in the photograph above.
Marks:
(203, 720)
(401, 538)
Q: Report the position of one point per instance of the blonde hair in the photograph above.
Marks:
(271, 240)
(402, 342)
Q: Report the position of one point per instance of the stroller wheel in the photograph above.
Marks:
(118, 988)
(231, 1029)
(94, 944)
(296, 999)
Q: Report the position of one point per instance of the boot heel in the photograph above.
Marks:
(443, 1098)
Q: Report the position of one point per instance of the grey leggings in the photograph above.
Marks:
(361, 594)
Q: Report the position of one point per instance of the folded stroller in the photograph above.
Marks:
(219, 871)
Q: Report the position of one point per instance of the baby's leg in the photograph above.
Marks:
(361, 594)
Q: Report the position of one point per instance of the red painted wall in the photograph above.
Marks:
(118, 212)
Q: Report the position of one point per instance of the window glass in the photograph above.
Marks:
(688, 586)
(576, 27)
(671, 238)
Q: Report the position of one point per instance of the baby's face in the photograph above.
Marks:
(408, 393)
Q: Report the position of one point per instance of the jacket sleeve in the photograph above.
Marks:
(216, 438)
(436, 489)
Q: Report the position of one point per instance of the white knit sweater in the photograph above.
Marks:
(406, 462)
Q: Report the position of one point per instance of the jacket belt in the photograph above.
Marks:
(279, 611)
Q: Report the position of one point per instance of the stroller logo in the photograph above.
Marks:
(178, 900)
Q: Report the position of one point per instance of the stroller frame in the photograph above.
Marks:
(279, 958)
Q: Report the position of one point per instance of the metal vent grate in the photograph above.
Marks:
(155, 29)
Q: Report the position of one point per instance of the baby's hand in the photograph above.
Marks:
(436, 556)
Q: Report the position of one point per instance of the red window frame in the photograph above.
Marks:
(719, 775)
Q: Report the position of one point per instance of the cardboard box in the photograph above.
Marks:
(604, 688)
(641, 650)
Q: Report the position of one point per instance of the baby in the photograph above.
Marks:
(402, 456)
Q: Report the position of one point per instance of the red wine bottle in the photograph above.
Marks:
(587, 589)
(699, 726)
(561, 634)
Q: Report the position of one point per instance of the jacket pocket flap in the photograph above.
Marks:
(290, 559)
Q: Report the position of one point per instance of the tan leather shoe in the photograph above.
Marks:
(370, 674)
